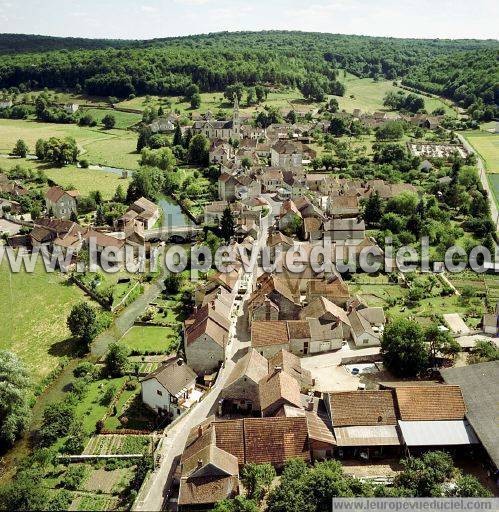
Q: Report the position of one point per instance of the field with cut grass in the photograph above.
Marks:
(115, 148)
(33, 312)
(486, 144)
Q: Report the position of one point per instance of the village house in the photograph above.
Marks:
(61, 203)
(241, 391)
(272, 300)
(216, 450)
(206, 334)
(367, 325)
(140, 211)
(364, 423)
(433, 417)
(329, 327)
(170, 390)
(333, 289)
(291, 364)
(286, 155)
(163, 125)
(71, 108)
(344, 229)
(220, 152)
(278, 389)
(6, 104)
(269, 337)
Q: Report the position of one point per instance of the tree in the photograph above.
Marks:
(425, 475)
(291, 117)
(333, 105)
(257, 479)
(391, 130)
(190, 91)
(440, 342)
(40, 149)
(227, 224)
(177, 136)
(25, 492)
(57, 420)
(373, 209)
(195, 101)
(338, 127)
(172, 283)
(14, 398)
(467, 486)
(484, 350)
(109, 121)
(162, 158)
(238, 504)
(146, 182)
(250, 95)
(119, 195)
(117, 360)
(198, 149)
(20, 149)
(403, 348)
(82, 322)
(61, 151)
(145, 134)
(261, 93)
(231, 91)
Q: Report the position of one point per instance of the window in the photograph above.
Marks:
(160, 393)
(365, 342)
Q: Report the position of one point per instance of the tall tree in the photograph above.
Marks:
(227, 224)
(14, 397)
(82, 322)
(403, 348)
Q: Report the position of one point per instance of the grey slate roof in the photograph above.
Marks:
(479, 384)
(174, 376)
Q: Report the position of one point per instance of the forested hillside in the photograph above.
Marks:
(464, 77)
(461, 69)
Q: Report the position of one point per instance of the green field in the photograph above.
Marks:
(215, 101)
(486, 145)
(123, 119)
(368, 95)
(115, 148)
(494, 185)
(84, 180)
(149, 339)
(33, 312)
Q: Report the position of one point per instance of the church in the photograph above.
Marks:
(224, 130)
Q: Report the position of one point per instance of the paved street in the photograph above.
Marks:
(155, 489)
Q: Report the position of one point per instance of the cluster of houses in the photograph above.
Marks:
(60, 229)
(267, 416)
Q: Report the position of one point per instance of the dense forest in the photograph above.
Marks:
(464, 70)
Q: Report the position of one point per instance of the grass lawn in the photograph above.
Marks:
(487, 145)
(84, 180)
(90, 408)
(123, 119)
(115, 148)
(368, 95)
(149, 339)
(33, 312)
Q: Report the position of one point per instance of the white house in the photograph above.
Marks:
(71, 108)
(170, 389)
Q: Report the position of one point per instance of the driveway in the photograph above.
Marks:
(327, 372)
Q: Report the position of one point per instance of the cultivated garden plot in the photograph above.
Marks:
(114, 444)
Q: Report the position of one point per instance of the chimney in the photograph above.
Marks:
(200, 463)
(200, 431)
